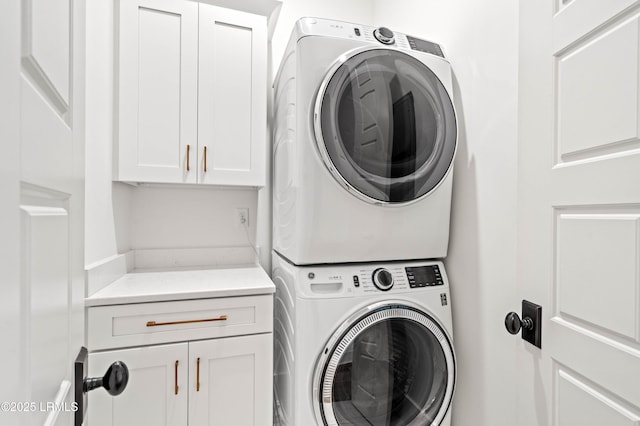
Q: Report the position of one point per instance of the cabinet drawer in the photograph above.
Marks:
(161, 322)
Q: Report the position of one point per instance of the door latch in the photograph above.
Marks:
(531, 323)
(114, 381)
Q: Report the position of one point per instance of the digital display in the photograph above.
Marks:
(424, 276)
(425, 46)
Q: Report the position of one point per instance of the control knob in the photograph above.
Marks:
(384, 35)
(382, 279)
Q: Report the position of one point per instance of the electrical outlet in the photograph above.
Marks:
(243, 217)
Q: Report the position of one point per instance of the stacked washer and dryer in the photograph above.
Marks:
(364, 141)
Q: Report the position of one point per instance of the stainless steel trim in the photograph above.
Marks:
(319, 139)
(356, 324)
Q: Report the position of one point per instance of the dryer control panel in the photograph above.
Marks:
(425, 46)
(378, 35)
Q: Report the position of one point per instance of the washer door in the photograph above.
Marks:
(393, 366)
(385, 126)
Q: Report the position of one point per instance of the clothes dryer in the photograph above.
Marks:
(365, 136)
(363, 344)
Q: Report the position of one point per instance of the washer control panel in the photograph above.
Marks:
(394, 277)
(348, 280)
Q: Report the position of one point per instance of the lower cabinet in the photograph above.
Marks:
(157, 392)
(235, 381)
(224, 381)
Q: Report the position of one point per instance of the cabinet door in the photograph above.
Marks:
(157, 91)
(232, 97)
(235, 381)
(151, 396)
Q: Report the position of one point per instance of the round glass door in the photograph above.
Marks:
(386, 126)
(393, 367)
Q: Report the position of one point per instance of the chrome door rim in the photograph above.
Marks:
(321, 146)
(358, 322)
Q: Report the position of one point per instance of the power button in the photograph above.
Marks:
(356, 281)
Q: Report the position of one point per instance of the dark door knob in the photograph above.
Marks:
(513, 323)
(114, 380)
(531, 323)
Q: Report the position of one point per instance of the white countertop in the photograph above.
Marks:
(162, 286)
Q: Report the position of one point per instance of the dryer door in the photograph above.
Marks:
(393, 366)
(385, 126)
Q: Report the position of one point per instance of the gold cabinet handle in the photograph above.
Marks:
(198, 375)
(156, 324)
(188, 157)
(205, 159)
(176, 377)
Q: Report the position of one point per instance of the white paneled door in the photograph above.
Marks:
(579, 211)
(48, 173)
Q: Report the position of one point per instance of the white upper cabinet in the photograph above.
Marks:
(192, 83)
(232, 96)
(157, 91)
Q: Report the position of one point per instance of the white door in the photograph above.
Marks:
(231, 381)
(156, 393)
(579, 211)
(10, 357)
(44, 207)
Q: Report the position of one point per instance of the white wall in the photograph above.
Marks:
(100, 242)
(480, 37)
(190, 217)
(13, 387)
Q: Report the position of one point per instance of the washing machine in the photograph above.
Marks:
(363, 344)
(365, 135)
